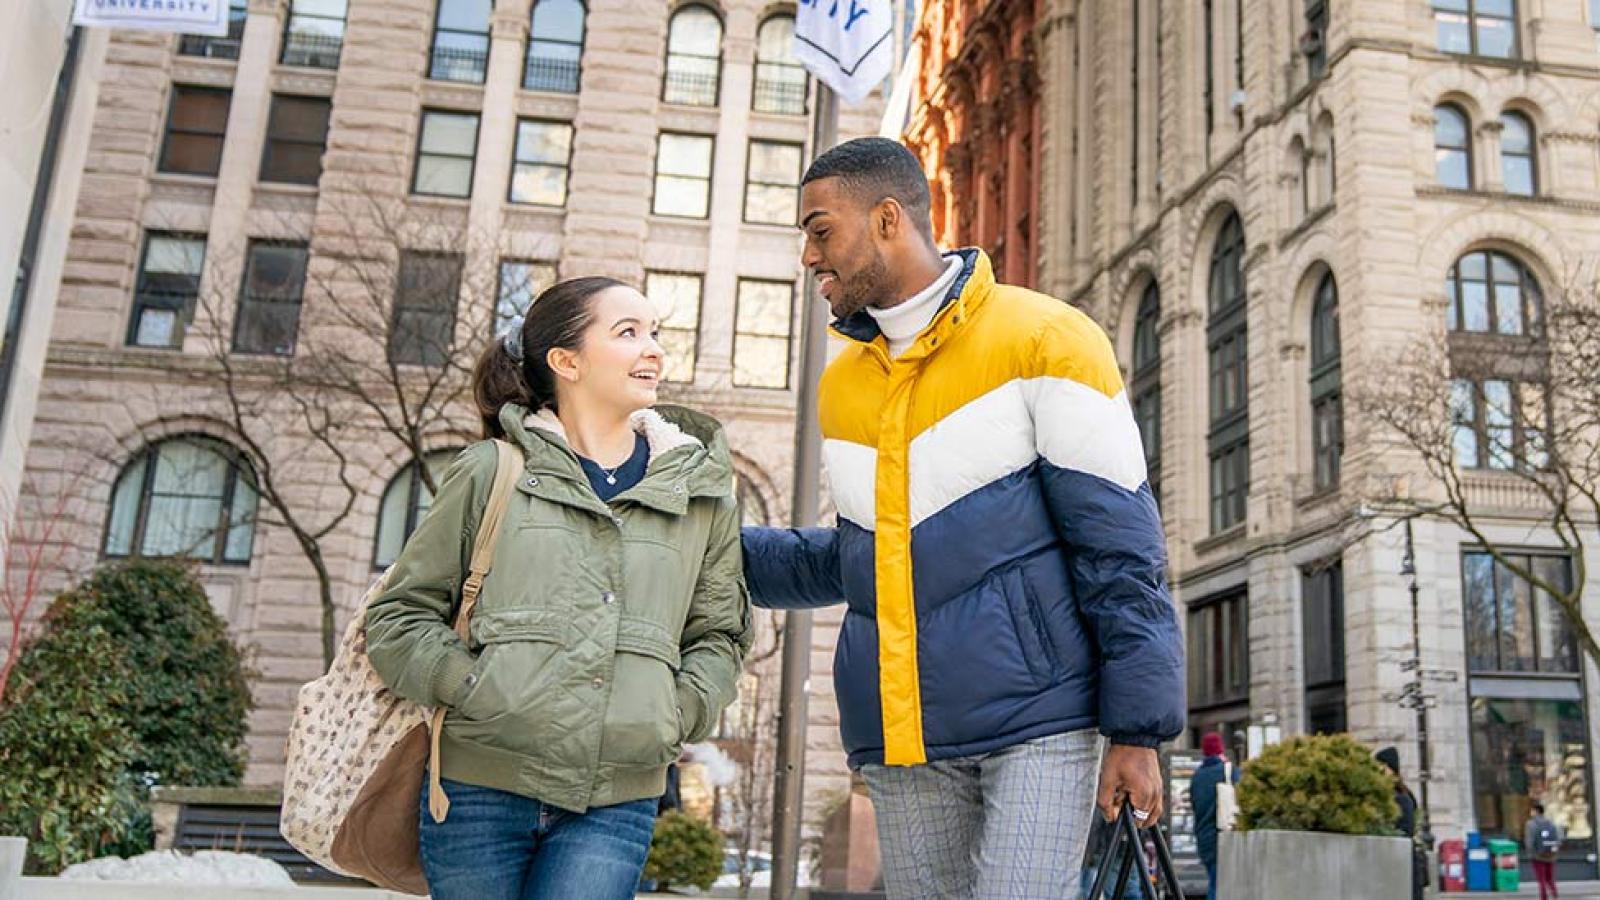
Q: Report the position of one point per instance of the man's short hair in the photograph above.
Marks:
(1538, 808)
(873, 168)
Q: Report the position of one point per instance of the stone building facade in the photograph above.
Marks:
(657, 143)
(1263, 201)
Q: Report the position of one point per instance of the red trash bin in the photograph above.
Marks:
(1453, 865)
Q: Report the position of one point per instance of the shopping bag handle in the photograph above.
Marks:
(1128, 832)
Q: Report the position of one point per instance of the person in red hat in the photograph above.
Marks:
(1214, 771)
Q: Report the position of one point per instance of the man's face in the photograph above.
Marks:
(842, 250)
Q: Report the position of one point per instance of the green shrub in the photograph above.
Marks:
(65, 751)
(1323, 783)
(684, 850)
(132, 681)
(189, 695)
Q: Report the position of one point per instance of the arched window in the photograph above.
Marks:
(1322, 148)
(555, 46)
(1452, 147)
(1492, 293)
(1227, 341)
(405, 501)
(780, 79)
(1519, 169)
(694, 57)
(189, 496)
(1327, 417)
(751, 506)
(1145, 389)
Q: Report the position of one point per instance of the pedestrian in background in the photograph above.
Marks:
(1213, 771)
(1406, 822)
(1543, 841)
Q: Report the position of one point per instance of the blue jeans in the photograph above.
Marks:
(496, 845)
(1211, 879)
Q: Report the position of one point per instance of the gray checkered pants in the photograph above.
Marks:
(1007, 825)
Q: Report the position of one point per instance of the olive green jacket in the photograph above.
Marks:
(606, 636)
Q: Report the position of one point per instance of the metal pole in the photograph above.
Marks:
(788, 800)
(1425, 774)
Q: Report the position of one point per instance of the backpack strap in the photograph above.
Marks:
(508, 466)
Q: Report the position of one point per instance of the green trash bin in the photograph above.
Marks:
(1507, 868)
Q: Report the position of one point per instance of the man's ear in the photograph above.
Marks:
(889, 218)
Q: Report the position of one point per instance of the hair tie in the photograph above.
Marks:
(511, 338)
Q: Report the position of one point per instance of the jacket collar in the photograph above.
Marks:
(971, 287)
(689, 457)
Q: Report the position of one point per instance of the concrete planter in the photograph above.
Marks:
(13, 852)
(1254, 865)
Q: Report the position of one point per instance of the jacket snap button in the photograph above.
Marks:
(599, 682)
(678, 489)
(608, 597)
(533, 482)
(617, 521)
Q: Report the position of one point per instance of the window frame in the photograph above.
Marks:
(1227, 670)
(185, 311)
(657, 175)
(149, 456)
(1228, 365)
(699, 316)
(231, 43)
(783, 106)
(1326, 385)
(1474, 16)
(1531, 154)
(413, 469)
(433, 44)
(247, 300)
(1522, 445)
(1529, 556)
(1323, 584)
(1529, 294)
(667, 72)
(1466, 148)
(528, 57)
(336, 45)
(169, 129)
(749, 179)
(472, 158)
(268, 140)
(518, 164)
(500, 321)
(1144, 382)
(399, 308)
(739, 331)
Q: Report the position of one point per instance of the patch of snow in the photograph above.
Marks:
(171, 867)
(720, 769)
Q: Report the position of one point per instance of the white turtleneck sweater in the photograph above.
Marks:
(902, 323)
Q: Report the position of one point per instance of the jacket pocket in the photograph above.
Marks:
(516, 665)
(1027, 618)
(643, 725)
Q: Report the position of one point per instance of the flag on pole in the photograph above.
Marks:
(208, 17)
(847, 44)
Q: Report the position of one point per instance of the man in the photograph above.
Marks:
(1542, 841)
(1406, 821)
(1213, 771)
(998, 547)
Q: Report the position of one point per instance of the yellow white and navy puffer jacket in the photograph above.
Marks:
(997, 542)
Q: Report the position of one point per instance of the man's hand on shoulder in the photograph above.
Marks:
(1131, 773)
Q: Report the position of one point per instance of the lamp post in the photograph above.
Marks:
(1414, 696)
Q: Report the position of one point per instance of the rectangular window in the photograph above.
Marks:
(226, 47)
(269, 306)
(539, 169)
(197, 122)
(297, 133)
(761, 334)
(521, 281)
(169, 282)
(314, 33)
(1322, 633)
(445, 154)
(1209, 93)
(461, 41)
(1219, 651)
(1511, 625)
(677, 300)
(683, 175)
(1499, 424)
(1477, 27)
(423, 330)
(1317, 31)
(772, 183)
(1527, 750)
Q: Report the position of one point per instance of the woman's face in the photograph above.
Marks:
(620, 362)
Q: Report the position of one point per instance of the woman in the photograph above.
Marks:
(611, 628)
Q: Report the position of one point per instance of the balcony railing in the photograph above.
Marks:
(780, 88)
(547, 74)
(319, 51)
(459, 64)
(212, 47)
(691, 88)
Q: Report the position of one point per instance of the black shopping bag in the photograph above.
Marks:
(1126, 838)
